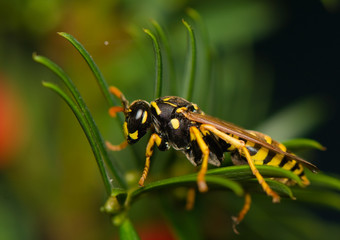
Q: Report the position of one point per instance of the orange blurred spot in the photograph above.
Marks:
(11, 120)
(155, 231)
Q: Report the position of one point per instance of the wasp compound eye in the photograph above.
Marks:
(138, 120)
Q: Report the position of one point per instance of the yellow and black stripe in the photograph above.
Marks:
(177, 123)
(264, 156)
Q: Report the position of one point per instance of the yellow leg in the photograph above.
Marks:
(242, 213)
(190, 199)
(145, 172)
(202, 185)
(240, 145)
(116, 147)
(148, 153)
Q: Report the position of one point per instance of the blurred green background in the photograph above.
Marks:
(272, 66)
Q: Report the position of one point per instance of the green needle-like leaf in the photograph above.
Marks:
(322, 197)
(225, 177)
(205, 80)
(324, 181)
(170, 63)
(98, 76)
(186, 180)
(303, 143)
(93, 66)
(159, 64)
(87, 130)
(190, 81)
(119, 180)
(253, 185)
(127, 231)
(243, 172)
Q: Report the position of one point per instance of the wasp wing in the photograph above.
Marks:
(243, 134)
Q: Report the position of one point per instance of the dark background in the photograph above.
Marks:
(274, 68)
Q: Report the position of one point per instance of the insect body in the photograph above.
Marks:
(178, 123)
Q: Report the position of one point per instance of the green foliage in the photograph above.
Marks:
(127, 232)
(235, 180)
(86, 121)
(159, 64)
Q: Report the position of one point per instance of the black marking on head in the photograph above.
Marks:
(138, 120)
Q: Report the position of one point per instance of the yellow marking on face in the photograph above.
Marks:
(166, 99)
(145, 116)
(195, 106)
(155, 106)
(125, 129)
(134, 135)
(174, 123)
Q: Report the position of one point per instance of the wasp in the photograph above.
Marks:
(182, 125)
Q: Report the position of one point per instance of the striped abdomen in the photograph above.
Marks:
(264, 156)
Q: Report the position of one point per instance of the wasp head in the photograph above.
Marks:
(137, 120)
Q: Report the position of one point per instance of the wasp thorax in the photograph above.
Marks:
(137, 120)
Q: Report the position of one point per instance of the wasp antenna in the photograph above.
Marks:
(114, 110)
(115, 91)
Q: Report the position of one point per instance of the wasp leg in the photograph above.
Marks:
(190, 199)
(240, 145)
(196, 134)
(242, 213)
(116, 147)
(148, 153)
